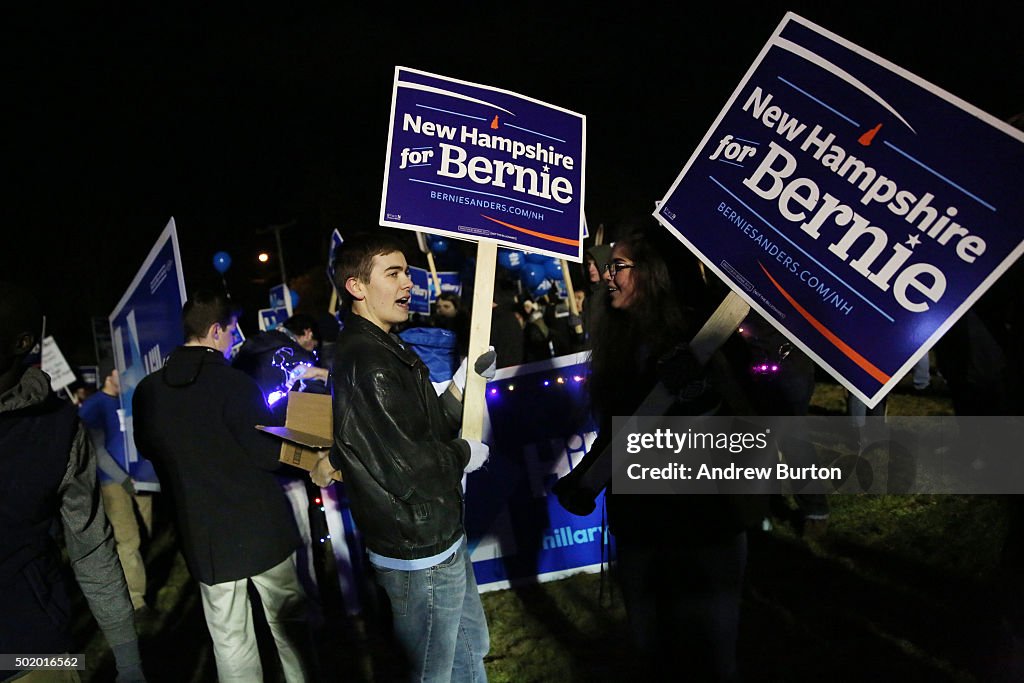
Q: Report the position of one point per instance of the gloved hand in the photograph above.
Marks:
(485, 366)
(573, 497)
(478, 454)
(679, 367)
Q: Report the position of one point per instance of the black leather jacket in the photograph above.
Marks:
(395, 447)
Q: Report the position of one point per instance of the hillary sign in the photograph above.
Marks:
(539, 428)
(422, 293)
(475, 162)
(860, 209)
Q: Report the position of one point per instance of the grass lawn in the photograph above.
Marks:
(903, 588)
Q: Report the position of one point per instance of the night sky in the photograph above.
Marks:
(233, 121)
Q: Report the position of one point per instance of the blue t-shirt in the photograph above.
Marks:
(99, 411)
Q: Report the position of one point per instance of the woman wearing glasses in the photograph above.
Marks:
(680, 558)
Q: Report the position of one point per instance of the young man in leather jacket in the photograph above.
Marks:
(396, 446)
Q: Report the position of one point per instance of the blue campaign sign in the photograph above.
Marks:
(281, 297)
(857, 207)
(145, 327)
(479, 163)
(423, 294)
(336, 241)
(538, 427)
(270, 318)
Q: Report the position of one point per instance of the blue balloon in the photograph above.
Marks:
(532, 275)
(438, 245)
(540, 290)
(222, 261)
(511, 260)
(537, 258)
(553, 268)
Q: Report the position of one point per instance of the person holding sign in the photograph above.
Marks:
(680, 558)
(195, 420)
(396, 446)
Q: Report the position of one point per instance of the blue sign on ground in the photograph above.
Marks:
(471, 161)
(857, 207)
(423, 294)
(538, 427)
(145, 327)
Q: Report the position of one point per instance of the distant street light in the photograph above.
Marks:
(276, 229)
(263, 257)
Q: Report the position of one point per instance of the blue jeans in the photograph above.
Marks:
(439, 621)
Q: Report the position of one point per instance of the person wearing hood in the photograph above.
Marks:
(269, 356)
(195, 419)
(48, 468)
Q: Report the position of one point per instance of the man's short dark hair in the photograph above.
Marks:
(300, 322)
(354, 258)
(203, 309)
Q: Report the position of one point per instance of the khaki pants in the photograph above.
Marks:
(120, 506)
(229, 619)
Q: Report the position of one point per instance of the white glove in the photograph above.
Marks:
(478, 454)
(485, 366)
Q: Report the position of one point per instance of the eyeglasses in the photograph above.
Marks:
(613, 267)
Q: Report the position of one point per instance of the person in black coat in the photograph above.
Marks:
(195, 420)
(48, 471)
(273, 358)
(680, 558)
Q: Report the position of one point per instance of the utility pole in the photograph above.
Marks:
(276, 229)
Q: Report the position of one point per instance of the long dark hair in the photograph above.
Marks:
(627, 342)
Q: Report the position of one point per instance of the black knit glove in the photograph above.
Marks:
(573, 497)
(678, 368)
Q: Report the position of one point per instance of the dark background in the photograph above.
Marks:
(234, 120)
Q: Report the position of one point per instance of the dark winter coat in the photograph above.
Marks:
(48, 470)
(256, 359)
(195, 420)
(395, 446)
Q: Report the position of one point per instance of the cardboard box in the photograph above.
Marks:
(308, 428)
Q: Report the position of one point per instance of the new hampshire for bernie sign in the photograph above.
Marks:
(471, 161)
(857, 207)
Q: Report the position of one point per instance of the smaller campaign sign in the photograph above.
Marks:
(858, 208)
(270, 318)
(145, 327)
(237, 339)
(281, 297)
(54, 365)
(336, 241)
(422, 293)
(478, 163)
(90, 376)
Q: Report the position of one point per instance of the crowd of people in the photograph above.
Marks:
(397, 446)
